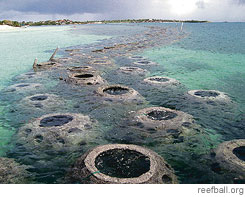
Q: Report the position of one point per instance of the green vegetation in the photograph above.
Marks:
(69, 22)
(11, 23)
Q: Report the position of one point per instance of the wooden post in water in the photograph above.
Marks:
(35, 63)
(52, 57)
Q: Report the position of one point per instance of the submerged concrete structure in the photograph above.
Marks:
(12, 173)
(57, 131)
(119, 93)
(85, 78)
(23, 87)
(81, 69)
(209, 95)
(42, 101)
(144, 63)
(163, 125)
(231, 157)
(133, 70)
(122, 164)
(164, 81)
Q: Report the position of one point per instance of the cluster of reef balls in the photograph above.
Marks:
(54, 135)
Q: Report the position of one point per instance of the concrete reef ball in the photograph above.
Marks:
(119, 93)
(137, 57)
(42, 101)
(62, 60)
(213, 95)
(144, 63)
(23, 87)
(46, 65)
(25, 76)
(72, 50)
(160, 118)
(122, 164)
(86, 78)
(81, 69)
(57, 131)
(133, 70)
(231, 156)
(161, 80)
(100, 62)
(12, 172)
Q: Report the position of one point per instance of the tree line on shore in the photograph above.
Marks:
(69, 22)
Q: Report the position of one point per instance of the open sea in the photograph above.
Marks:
(205, 56)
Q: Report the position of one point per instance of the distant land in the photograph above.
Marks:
(70, 22)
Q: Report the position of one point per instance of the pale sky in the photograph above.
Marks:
(35, 10)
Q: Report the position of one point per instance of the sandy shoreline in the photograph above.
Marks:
(6, 28)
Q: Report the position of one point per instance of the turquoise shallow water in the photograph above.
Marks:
(20, 48)
(212, 57)
(204, 56)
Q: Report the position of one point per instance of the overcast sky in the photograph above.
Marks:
(35, 10)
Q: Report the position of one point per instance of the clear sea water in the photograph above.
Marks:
(208, 56)
(20, 48)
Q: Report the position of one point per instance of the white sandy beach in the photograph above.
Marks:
(4, 28)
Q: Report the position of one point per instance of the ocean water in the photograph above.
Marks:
(203, 56)
(20, 48)
(212, 57)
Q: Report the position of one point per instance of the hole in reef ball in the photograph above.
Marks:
(38, 98)
(166, 179)
(186, 124)
(22, 85)
(131, 69)
(39, 138)
(159, 79)
(116, 90)
(79, 67)
(144, 62)
(240, 152)
(161, 115)
(51, 63)
(83, 76)
(28, 131)
(56, 121)
(206, 93)
(137, 57)
(30, 74)
(38, 105)
(122, 163)
(100, 62)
